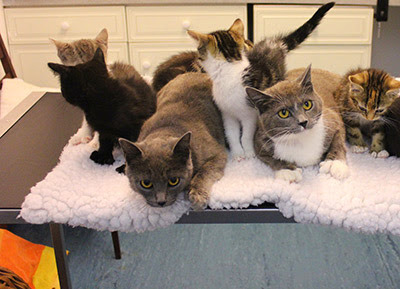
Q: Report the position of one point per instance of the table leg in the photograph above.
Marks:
(117, 249)
(57, 235)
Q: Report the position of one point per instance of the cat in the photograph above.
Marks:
(181, 147)
(183, 62)
(83, 50)
(113, 107)
(77, 52)
(232, 65)
(392, 128)
(300, 125)
(364, 96)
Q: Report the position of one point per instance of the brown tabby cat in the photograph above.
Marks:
(181, 147)
(364, 97)
(299, 126)
(83, 50)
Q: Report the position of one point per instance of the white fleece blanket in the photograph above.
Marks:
(79, 192)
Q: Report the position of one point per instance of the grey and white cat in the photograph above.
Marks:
(233, 64)
(77, 52)
(299, 125)
(181, 147)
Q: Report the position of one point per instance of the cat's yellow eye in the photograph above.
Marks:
(307, 105)
(172, 182)
(283, 113)
(146, 184)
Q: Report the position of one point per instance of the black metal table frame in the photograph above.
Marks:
(266, 214)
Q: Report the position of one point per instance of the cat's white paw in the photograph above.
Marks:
(358, 149)
(337, 168)
(95, 143)
(383, 154)
(289, 175)
(79, 138)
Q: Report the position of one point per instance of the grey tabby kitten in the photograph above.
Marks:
(299, 125)
(77, 52)
(83, 50)
(181, 147)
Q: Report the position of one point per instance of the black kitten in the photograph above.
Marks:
(114, 106)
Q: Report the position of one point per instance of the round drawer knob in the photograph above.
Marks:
(186, 24)
(146, 65)
(65, 26)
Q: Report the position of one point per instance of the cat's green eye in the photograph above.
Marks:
(307, 105)
(172, 182)
(146, 184)
(283, 113)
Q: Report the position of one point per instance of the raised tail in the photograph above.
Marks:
(295, 38)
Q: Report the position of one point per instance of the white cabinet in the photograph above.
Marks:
(157, 32)
(342, 40)
(29, 30)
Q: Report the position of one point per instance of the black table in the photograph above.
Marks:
(32, 138)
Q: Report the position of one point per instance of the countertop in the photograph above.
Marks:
(42, 3)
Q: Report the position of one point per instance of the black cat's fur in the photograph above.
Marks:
(392, 129)
(113, 107)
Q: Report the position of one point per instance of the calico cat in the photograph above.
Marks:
(77, 52)
(364, 96)
(299, 125)
(113, 107)
(232, 65)
(83, 50)
(181, 147)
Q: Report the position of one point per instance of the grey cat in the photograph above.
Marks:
(181, 147)
(299, 125)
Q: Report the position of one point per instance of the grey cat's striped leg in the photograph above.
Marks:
(356, 140)
(378, 146)
(201, 183)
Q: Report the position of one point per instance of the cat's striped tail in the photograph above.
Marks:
(295, 38)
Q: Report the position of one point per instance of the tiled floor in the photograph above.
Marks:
(229, 256)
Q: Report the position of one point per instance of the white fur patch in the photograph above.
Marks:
(337, 168)
(304, 148)
(358, 149)
(289, 175)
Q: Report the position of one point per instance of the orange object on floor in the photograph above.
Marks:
(34, 263)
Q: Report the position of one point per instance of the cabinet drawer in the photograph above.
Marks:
(145, 57)
(30, 61)
(158, 23)
(336, 58)
(341, 25)
(37, 25)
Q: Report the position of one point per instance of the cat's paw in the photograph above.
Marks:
(80, 139)
(383, 154)
(198, 199)
(289, 175)
(337, 168)
(102, 159)
(358, 149)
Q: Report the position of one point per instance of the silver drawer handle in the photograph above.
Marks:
(186, 24)
(146, 65)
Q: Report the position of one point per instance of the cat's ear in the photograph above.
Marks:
(182, 146)
(102, 37)
(99, 56)
(201, 39)
(393, 88)
(258, 99)
(59, 44)
(305, 80)
(131, 151)
(237, 27)
(58, 68)
(355, 82)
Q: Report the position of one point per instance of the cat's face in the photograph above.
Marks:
(75, 81)
(289, 107)
(81, 51)
(227, 45)
(372, 92)
(159, 169)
